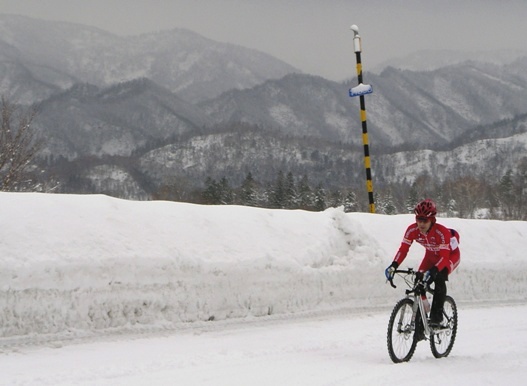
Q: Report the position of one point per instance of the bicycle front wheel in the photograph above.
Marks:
(401, 342)
(442, 340)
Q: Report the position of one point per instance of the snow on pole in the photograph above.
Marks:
(360, 90)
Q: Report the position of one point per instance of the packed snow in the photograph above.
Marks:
(98, 290)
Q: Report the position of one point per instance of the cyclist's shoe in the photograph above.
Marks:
(435, 319)
(434, 325)
(420, 335)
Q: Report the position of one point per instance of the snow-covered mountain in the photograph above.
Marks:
(486, 157)
(57, 54)
(300, 123)
(406, 110)
(88, 121)
(117, 109)
(433, 59)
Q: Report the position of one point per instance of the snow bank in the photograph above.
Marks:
(70, 262)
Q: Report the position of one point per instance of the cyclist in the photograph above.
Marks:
(441, 258)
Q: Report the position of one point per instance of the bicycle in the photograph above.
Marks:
(409, 322)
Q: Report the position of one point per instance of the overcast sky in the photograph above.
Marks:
(312, 35)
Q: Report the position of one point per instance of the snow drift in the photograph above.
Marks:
(71, 262)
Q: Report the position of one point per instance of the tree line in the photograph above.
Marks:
(462, 196)
(285, 192)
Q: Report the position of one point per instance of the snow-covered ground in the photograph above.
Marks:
(332, 350)
(96, 290)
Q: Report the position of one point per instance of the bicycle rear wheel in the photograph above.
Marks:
(401, 341)
(442, 341)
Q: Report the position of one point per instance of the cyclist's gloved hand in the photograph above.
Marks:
(430, 275)
(390, 271)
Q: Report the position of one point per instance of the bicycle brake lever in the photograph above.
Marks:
(391, 283)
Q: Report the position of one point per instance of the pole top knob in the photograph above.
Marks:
(356, 38)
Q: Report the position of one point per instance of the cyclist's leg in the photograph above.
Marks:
(440, 291)
(419, 328)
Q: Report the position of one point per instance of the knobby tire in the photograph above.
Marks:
(401, 336)
(441, 342)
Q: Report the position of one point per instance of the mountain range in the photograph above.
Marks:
(129, 114)
(38, 57)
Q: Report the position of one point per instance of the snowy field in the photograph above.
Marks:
(100, 291)
(331, 350)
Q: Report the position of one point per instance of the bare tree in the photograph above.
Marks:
(470, 195)
(18, 144)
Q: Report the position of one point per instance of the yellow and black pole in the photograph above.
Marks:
(360, 91)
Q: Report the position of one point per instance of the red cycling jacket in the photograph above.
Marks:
(440, 242)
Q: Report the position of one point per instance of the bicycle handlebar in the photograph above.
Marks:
(408, 271)
(415, 284)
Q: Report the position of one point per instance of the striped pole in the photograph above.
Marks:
(360, 91)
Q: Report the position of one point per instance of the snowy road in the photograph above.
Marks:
(342, 349)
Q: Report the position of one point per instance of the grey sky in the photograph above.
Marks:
(312, 35)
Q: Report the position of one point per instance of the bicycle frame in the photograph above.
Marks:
(417, 288)
(419, 303)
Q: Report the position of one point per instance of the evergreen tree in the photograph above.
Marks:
(350, 203)
(278, 194)
(380, 204)
(211, 195)
(521, 189)
(249, 193)
(320, 198)
(226, 194)
(306, 198)
(267, 196)
(290, 193)
(389, 205)
(506, 194)
(336, 199)
(412, 199)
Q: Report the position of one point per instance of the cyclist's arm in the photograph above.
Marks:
(405, 244)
